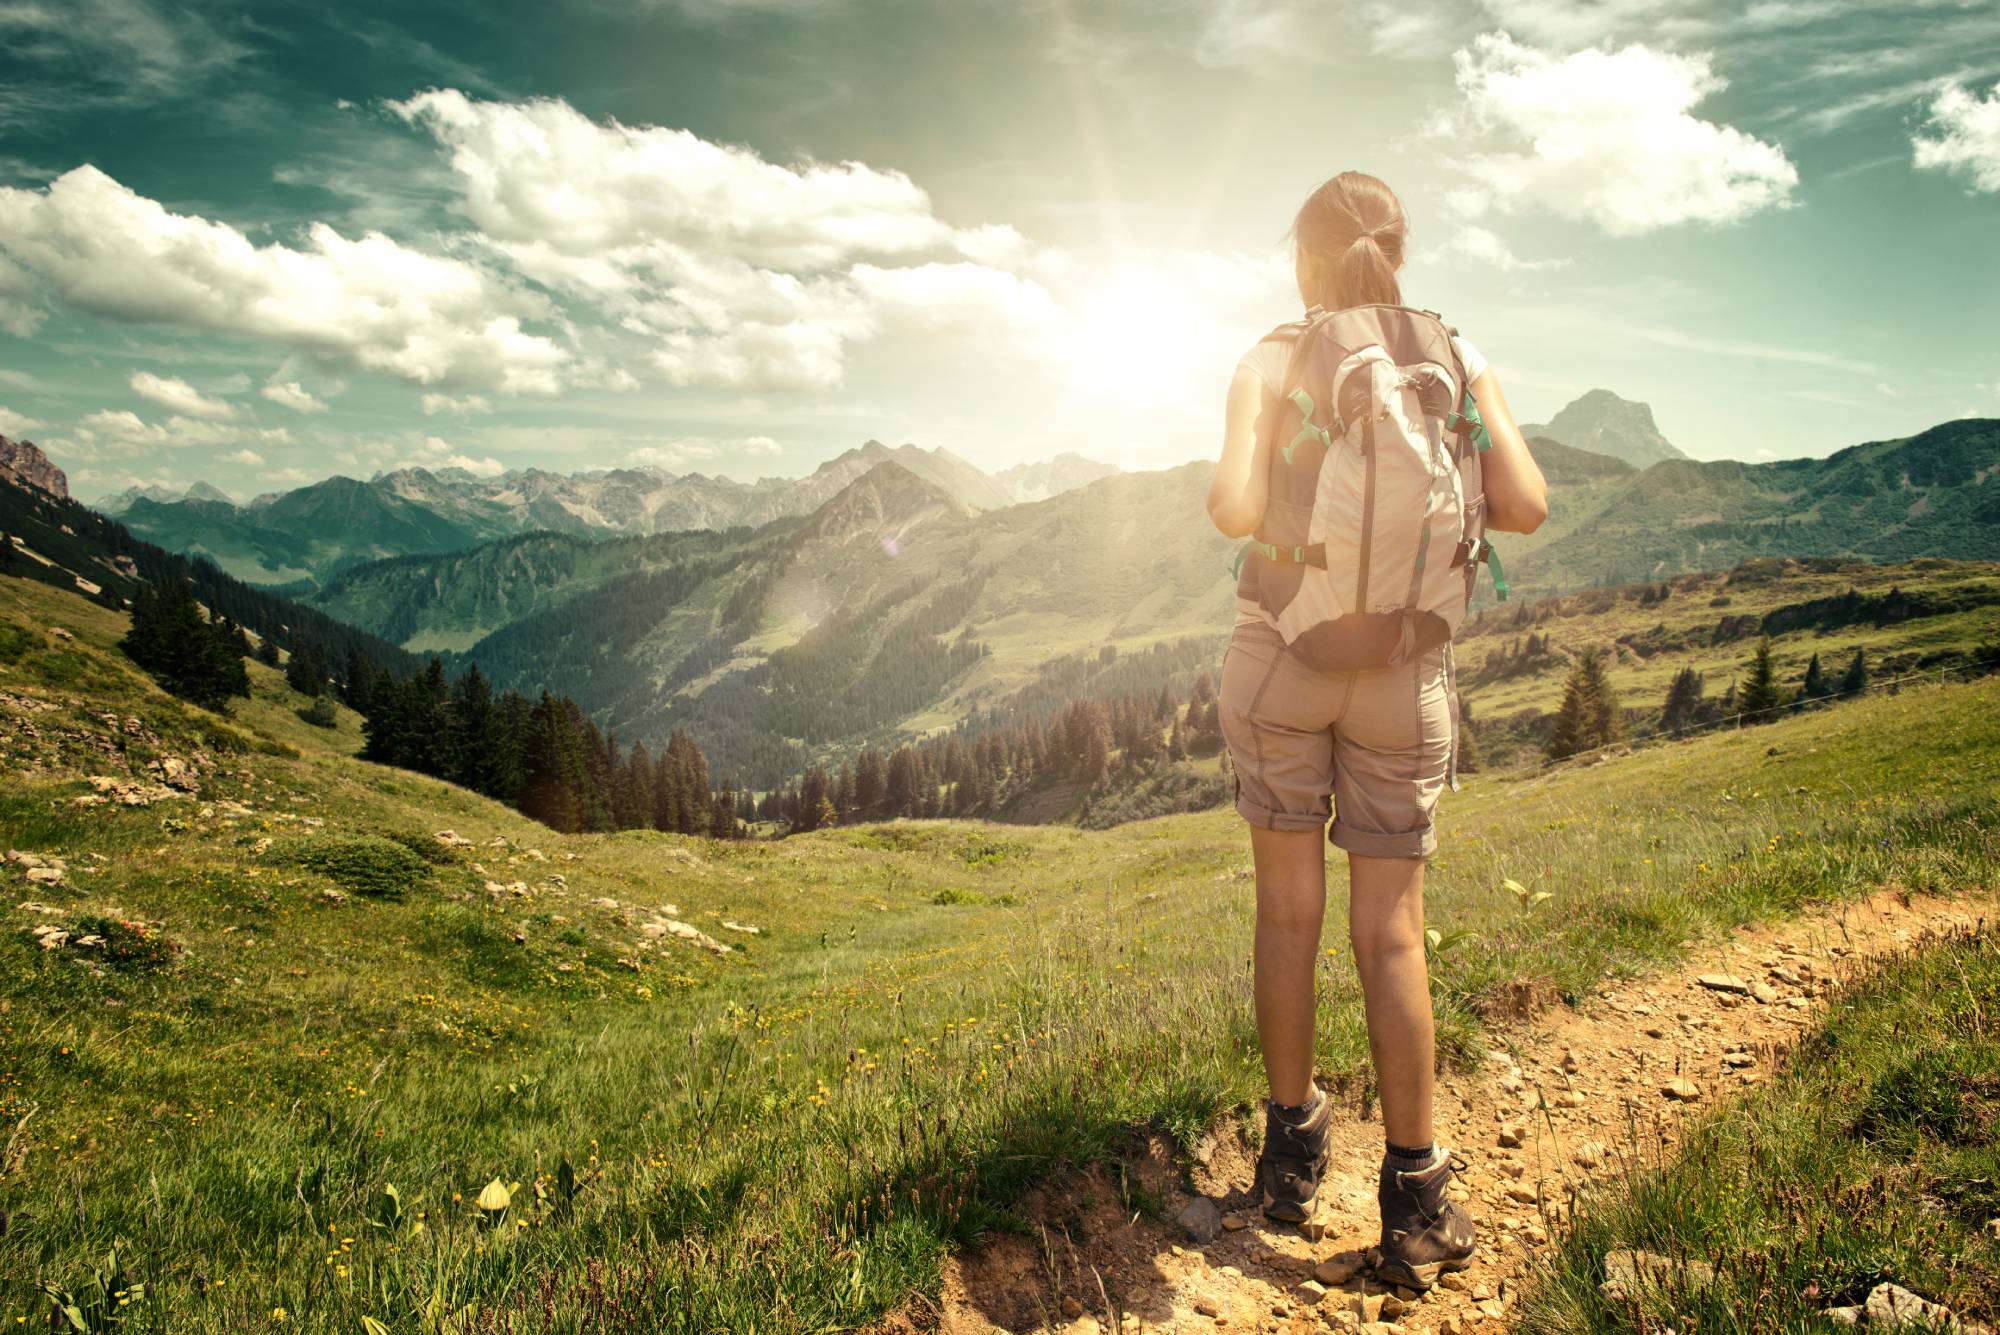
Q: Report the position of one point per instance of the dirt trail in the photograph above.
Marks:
(1098, 1266)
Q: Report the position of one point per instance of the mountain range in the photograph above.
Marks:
(899, 592)
(304, 537)
(897, 608)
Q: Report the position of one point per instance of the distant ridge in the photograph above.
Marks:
(311, 533)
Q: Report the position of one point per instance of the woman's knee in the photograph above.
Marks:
(1376, 940)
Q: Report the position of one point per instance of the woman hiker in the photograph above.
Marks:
(1367, 447)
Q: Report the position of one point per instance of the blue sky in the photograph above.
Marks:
(261, 244)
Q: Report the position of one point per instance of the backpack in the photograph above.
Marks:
(1375, 528)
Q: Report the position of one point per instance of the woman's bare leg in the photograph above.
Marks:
(1291, 905)
(1386, 924)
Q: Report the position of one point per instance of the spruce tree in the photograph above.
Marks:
(305, 672)
(1588, 717)
(1683, 703)
(267, 651)
(1814, 686)
(1469, 759)
(1854, 681)
(187, 654)
(1761, 695)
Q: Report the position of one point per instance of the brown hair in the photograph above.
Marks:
(1351, 231)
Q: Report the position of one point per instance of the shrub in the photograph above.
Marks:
(426, 846)
(126, 945)
(366, 864)
(320, 712)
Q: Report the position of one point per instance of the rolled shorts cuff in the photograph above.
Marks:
(1379, 844)
(1264, 818)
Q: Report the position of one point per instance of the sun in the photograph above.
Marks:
(1133, 339)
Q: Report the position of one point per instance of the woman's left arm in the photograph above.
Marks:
(1517, 496)
(1242, 484)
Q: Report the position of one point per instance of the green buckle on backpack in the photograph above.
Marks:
(1264, 549)
(1307, 431)
(1469, 421)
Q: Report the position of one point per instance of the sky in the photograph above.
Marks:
(260, 244)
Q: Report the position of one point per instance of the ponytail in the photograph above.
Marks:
(1351, 232)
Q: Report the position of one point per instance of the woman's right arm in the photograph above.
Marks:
(1517, 496)
(1242, 482)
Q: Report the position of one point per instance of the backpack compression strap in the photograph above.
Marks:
(1474, 550)
(1313, 554)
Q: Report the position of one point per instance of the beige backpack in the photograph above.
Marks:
(1375, 528)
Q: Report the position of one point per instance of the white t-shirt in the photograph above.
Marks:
(1269, 361)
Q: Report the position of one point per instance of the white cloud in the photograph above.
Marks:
(1608, 137)
(291, 394)
(685, 450)
(1252, 34)
(434, 403)
(1484, 246)
(16, 425)
(542, 171)
(741, 273)
(372, 302)
(487, 466)
(955, 297)
(19, 314)
(177, 395)
(247, 458)
(118, 433)
(1964, 138)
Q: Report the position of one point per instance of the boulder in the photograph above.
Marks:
(1891, 1305)
(1201, 1219)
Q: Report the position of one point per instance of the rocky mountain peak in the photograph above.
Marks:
(1603, 423)
(23, 464)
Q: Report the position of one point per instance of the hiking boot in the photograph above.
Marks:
(1423, 1234)
(1294, 1160)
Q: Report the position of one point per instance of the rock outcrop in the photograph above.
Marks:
(23, 464)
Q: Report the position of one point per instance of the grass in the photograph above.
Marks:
(1651, 642)
(1874, 1157)
(790, 1136)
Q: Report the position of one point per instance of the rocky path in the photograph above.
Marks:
(1572, 1095)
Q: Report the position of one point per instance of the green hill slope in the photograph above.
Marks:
(1912, 617)
(240, 1011)
(1932, 494)
(816, 634)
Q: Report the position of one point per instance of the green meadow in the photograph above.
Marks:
(296, 1064)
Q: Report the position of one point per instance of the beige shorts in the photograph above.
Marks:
(1378, 743)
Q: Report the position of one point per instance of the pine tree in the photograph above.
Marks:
(1815, 685)
(187, 654)
(550, 763)
(1854, 681)
(1761, 695)
(871, 784)
(267, 651)
(1683, 701)
(1588, 717)
(1468, 738)
(305, 671)
(905, 786)
(815, 804)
